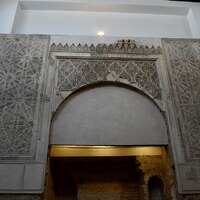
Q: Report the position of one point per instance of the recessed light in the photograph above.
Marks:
(100, 33)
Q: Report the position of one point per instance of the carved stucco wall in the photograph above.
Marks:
(183, 66)
(183, 59)
(24, 92)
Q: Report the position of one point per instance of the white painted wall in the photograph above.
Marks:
(113, 24)
(123, 18)
(17, 19)
(7, 14)
(195, 10)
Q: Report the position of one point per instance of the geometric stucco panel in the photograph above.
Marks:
(74, 73)
(21, 78)
(183, 61)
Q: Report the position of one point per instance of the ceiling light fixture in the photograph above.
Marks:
(101, 33)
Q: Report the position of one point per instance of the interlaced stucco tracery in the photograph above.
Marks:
(74, 73)
(183, 58)
(21, 78)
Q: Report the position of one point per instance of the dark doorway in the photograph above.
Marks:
(156, 188)
(95, 178)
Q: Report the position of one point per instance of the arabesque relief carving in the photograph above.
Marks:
(74, 73)
(183, 59)
(21, 63)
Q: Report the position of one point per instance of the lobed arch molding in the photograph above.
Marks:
(134, 87)
(108, 113)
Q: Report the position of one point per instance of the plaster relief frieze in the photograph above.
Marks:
(120, 47)
(21, 66)
(183, 60)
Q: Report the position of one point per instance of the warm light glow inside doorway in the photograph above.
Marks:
(103, 151)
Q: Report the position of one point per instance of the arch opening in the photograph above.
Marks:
(108, 115)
